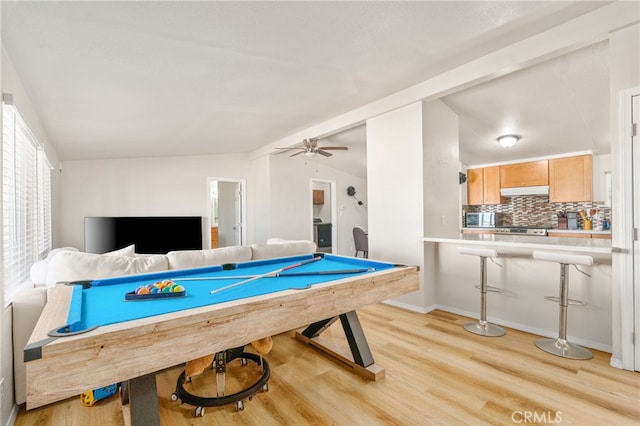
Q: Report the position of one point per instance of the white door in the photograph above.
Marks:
(229, 214)
(228, 211)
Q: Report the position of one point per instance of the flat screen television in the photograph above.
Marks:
(151, 235)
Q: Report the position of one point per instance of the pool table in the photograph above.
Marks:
(90, 335)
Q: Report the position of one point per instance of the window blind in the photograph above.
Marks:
(26, 201)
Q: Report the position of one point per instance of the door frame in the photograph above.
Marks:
(334, 211)
(622, 234)
(243, 206)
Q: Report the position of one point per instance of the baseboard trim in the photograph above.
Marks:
(408, 307)
(13, 416)
(529, 329)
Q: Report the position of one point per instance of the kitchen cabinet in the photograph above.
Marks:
(531, 173)
(318, 196)
(570, 179)
(483, 186)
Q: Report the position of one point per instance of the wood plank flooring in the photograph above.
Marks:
(436, 373)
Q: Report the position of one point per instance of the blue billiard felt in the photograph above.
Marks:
(104, 303)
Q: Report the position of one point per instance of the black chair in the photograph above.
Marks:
(361, 240)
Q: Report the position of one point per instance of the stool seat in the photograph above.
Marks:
(482, 327)
(570, 259)
(482, 252)
(560, 346)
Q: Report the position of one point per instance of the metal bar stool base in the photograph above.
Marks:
(563, 349)
(484, 329)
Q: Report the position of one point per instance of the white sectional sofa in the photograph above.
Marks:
(69, 264)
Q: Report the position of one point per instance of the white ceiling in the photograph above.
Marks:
(137, 79)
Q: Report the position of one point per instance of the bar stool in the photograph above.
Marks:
(482, 327)
(560, 346)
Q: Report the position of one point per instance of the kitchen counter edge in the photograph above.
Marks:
(583, 245)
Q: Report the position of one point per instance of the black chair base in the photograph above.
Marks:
(237, 398)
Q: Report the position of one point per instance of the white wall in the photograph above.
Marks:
(441, 188)
(291, 209)
(260, 198)
(395, 189)
(176, 186)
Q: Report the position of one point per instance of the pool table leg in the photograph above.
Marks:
(143, 401)
(360, 359)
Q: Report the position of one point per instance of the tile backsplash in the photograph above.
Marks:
(532, 210)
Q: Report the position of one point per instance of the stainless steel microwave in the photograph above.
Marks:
(484, 220)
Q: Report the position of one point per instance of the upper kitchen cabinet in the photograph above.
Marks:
(318, 197)
(532, 173)
(483, 186)
(570, 179)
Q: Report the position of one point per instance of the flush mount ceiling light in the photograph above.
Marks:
(508, 141)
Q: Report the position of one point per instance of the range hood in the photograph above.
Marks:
(525, 190)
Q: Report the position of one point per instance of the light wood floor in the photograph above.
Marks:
(436, 373)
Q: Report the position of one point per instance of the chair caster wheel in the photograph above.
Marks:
(239, 405)
(199, 412)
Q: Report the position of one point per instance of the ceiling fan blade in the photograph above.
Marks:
(342, 148)
(297, 153)
(321, 151)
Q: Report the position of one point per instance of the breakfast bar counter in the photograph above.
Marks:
(578, 245)
(524, 283)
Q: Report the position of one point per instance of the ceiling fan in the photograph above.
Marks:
(310, 148)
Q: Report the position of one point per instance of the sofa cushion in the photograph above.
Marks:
(74, 266)
(38, 271)
(282, 249)
(184, 259)
(125, 251)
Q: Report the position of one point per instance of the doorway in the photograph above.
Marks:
(227, 212)
(324, 227)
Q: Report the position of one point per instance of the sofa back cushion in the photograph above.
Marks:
(289, 248)
(184, 259)
(75, 266)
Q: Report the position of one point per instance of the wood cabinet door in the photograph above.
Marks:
(532, 173)
(571, 179)
(491, 190)
(475, 187)
(318, 196)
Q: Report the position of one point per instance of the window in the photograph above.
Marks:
(26, 201)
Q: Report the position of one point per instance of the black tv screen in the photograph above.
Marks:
(151, 235)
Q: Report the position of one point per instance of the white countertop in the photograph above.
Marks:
(583, 245)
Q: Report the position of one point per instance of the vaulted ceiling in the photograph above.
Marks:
(137, 79)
